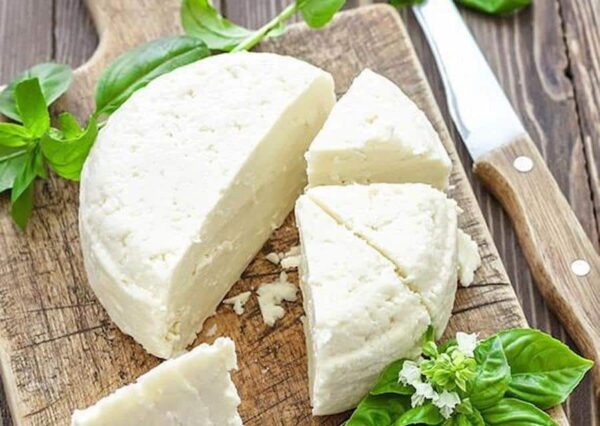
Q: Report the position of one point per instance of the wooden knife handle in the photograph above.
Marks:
(562, 259)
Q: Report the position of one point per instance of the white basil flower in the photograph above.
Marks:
(410, 373)
(423, 391)
(446, 401)
(466, 343)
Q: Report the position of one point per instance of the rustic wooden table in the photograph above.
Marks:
(547, 59)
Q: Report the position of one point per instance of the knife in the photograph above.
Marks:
(561, 257)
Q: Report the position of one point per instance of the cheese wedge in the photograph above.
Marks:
(192, 389)
(186, 182)
(360, 315)
(413, 225)
(375, 133)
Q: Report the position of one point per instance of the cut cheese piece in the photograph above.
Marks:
(360, 314)
(375, 133)
(468, 259)
(193, 389)
(413, 225)
(186, 182)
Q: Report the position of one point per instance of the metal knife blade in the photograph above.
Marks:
(481, 111)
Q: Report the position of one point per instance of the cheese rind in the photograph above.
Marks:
(360, 314)
(192, 389)
(375, 133)
(412, 225)
(186, 182)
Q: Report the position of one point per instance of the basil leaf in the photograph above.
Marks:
(379, 410)
(495, 7)
(513, 412)
(136, 68)
(318, 13)
(32, 107)
(11, 163)
(69, 125)
(427, 414)
(13, 135)
(23, 206)
(469, 417)
(32, 167)
(403, 3)
(544, 370)
(200, 19)
(388, 381)
(54, 80)
(66, 153)
(493, 376)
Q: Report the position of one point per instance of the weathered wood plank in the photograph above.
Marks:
(74, 33)
(542, 95)
(581, 24)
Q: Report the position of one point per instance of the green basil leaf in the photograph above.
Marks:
(495, 7)
(11, 163)
(493, 375)
(200, 19)
(136, 68)
(379, 410)
(69, 125)
(388, 381)
(318, 13)
(32, 107)
(23, 206)
(54, 80)
(427, 414)
(13, 135)
(66, 155)
(544, 370)
(33, 166)
(403, 3)
(513, 412)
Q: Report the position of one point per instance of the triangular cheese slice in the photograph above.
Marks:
(412, 225)
(375, 133)
(360, 314)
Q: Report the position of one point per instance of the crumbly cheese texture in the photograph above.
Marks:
(186, 182)
(237, 302)
(360, 314)
(270, 297)
(468, 259)
(194, 389)
(413, 225)
(375, 133)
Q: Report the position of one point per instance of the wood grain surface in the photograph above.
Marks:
(31, 33)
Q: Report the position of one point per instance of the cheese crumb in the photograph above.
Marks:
(238, 302)
(211, 331)
(468, 259)
(291, 259)
(270, 297)
(273, 258)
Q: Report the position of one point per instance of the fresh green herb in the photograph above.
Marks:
(136, 68)
(495, 7)
(66, 150)
(200, 19)
(54, 79)
(491, 7)
(544, 371)
(511, 411)
(508, 378)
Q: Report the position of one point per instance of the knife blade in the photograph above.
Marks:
(562, 259)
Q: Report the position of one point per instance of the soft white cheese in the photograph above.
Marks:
(186, 182)
(375, 133)
(468, 258)
(270, 297)
(360, 315)
(413, 225)
(194, 389)
(237, 302)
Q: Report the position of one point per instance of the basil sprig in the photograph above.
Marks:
(200, 19)
(491, 7)
(508, 378)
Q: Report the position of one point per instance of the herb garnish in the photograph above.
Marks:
(491, 7)
(508, 378)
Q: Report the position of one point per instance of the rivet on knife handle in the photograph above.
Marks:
(564, 262)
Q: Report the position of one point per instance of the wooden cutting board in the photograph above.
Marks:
(58, 348)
